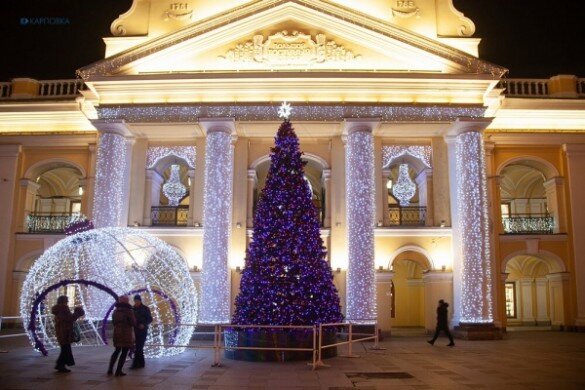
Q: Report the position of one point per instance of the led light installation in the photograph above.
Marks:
(110, 180)
(421, 152)
(476, 282)
(157, 153)
(361, 287)
(94, 266)
(173, 189)
(217, 213)
(404, 188)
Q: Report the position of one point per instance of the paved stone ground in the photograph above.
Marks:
(524, 360)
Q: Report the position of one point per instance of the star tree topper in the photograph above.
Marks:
(284, 111)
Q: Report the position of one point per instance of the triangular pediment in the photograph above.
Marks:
(290, 35)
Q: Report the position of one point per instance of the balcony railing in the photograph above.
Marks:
(407, 216)
(525, 87)
(169, 215)
(49, 222)
(47, 89)
(528, 224)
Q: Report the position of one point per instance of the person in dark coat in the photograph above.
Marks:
(64, 321)
(124, 323)
(442, 323)
(143, 319)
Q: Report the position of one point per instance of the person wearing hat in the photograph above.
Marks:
(143, 319)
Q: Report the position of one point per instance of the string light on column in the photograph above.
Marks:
(476, 300)
(95, 266)
(359, 165)
(110, 180)
(217, 212)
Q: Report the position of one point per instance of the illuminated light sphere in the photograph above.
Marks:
(95, 266)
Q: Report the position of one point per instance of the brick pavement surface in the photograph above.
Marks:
(523, 360)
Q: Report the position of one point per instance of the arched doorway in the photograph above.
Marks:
(408, 292)
(534, 291)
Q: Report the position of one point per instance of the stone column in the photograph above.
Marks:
(152, 186)
(575, 168)
(526, 298)
(542, 317)
(9, 159)
(555, 203)
(557, 287)
(424, 182)
(252, 182)
(89, 190)
(360, 197)
(31, 189)
(217, 215)
(112, 182)
(437, 285)
(384, 300)
(386, 174)
(191, 176)
(326, 182)
(473, 259)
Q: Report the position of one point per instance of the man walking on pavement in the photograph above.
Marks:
(442, 323)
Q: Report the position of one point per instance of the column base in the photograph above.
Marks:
(477, 332)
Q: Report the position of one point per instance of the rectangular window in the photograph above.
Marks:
(511, 300)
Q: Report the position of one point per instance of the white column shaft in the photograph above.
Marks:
(217, 211)
(476, 304)
(110, 205)
(360, 192)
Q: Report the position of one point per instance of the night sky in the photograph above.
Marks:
(530, 38)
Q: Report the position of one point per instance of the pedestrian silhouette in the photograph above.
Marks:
(124, 323)
(442, 323)
(64, 321)
(143, 319)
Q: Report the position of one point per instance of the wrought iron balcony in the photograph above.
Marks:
(528, 224)
(49, 222)
(406, 216)
(169, 215)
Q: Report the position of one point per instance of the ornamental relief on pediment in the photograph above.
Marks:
(294, 49)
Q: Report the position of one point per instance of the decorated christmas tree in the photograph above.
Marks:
(286, 279)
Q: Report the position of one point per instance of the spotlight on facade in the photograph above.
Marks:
(389, 184)
(80, 191)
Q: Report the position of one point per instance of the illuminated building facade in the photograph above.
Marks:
(434, 176)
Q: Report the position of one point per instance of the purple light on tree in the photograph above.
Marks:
(286, 279)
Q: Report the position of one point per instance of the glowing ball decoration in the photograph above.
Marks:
(93, 268)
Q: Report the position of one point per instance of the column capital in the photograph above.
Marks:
(30, 185)
(10, 150)
(465, 125)
(218, 125)
(574, 150)
(559, 276)
(153, 175)
(326, 174)
(437, 277)
(118, 127)
(252, 175)
(353, 125)
(504, 277)
(553, 182)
